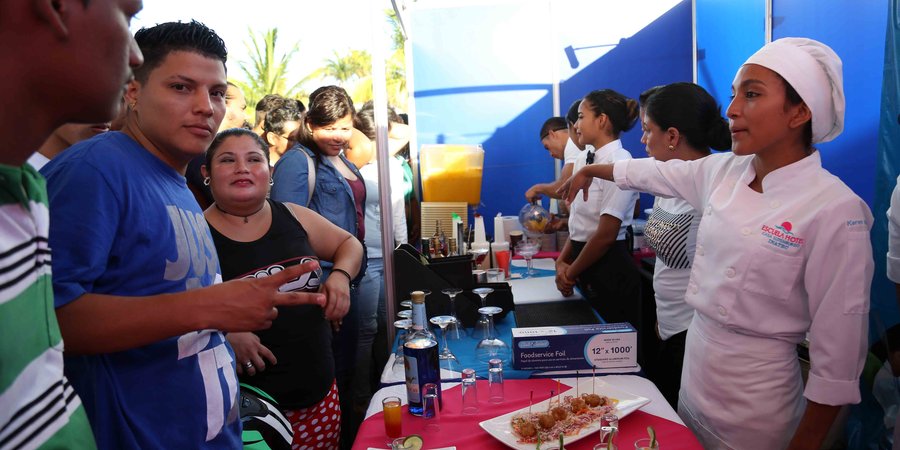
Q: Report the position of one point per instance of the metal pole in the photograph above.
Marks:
(379, 99)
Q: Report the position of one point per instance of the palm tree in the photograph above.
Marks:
(267, 71)
(350, 67)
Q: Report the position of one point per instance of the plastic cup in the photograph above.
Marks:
(608, 422)
(495, 276)
(469, 392)
(392, 417)
(644, 444)
(431, 407)
(495, 381)
(503, 257)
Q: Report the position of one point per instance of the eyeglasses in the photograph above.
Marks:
(544, 136)
(590, 158)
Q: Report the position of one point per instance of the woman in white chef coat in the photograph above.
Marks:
(893, 260)
(681, 121)
(596, 257)
(782, 251)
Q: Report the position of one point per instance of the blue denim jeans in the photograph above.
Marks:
(371, 295)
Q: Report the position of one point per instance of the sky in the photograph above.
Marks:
(320, 27)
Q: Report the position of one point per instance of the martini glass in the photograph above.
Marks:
(446, 354)
(478, 255)
(491, 346)
(528, 250)
(482, 324)
(404, 314)
(403, 326)
(454, 330)
(406, 304)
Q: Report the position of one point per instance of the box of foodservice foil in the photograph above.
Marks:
(573, 347)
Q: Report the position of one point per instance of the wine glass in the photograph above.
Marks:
(491, 346)
(446, 354)
(527, 250)
(454, 330)
(478, 254)
(403, 326)
(481, 325)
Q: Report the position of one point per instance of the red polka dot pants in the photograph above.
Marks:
(318, 426)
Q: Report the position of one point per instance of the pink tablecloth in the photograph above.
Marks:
(463, 430)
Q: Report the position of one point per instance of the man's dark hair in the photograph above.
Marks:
(553, 124)
(158, 41)
(572, 114)
(290, 110)
(269, 102)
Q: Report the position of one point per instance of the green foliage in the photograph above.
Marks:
(267, 70)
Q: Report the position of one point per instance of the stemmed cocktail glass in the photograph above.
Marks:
(401, 325)
(454, 331)
(528, 250)
(446, 354)
(482, 324)
(491, 346)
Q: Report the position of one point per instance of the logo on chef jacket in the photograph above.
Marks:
(306, 282)
(782, 236)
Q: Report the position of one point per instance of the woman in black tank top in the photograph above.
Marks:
(256, 237)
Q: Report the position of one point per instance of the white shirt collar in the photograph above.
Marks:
(602, 153)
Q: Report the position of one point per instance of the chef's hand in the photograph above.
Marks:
(580, 181)
(249, 353)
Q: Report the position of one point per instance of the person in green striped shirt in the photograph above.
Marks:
(72, 60)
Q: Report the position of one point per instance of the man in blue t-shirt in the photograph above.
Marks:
(136, 270)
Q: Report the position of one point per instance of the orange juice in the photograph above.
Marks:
(392, 417)
(451, 173)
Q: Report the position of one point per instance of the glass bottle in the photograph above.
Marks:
(420, 357)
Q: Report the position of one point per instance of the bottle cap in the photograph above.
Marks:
(417, 297)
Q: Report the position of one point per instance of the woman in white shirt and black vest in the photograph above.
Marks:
(596, 257)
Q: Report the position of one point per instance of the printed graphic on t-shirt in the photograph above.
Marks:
(196, 253)
(308, 282)
(667, 233)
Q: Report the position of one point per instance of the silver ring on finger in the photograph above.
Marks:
(248, 364)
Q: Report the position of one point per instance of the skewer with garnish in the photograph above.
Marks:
(530, 401)
(593, 379)
(577, 392)
(558, 393)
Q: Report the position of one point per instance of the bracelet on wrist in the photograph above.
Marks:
(344, 272)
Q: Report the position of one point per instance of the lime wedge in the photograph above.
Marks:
(413, 442)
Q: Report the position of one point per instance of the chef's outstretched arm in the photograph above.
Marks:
(814, 425)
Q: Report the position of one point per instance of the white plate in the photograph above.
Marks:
(499, 427)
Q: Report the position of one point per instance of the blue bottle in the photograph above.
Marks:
(420, 357)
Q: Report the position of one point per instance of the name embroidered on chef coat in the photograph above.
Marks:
(781, 236)
(859, 225)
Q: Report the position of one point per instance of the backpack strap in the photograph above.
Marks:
(311, 174)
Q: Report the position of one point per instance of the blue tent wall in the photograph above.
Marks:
(727, 33)
(461, 95)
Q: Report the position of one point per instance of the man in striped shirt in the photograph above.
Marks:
(63, 61)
